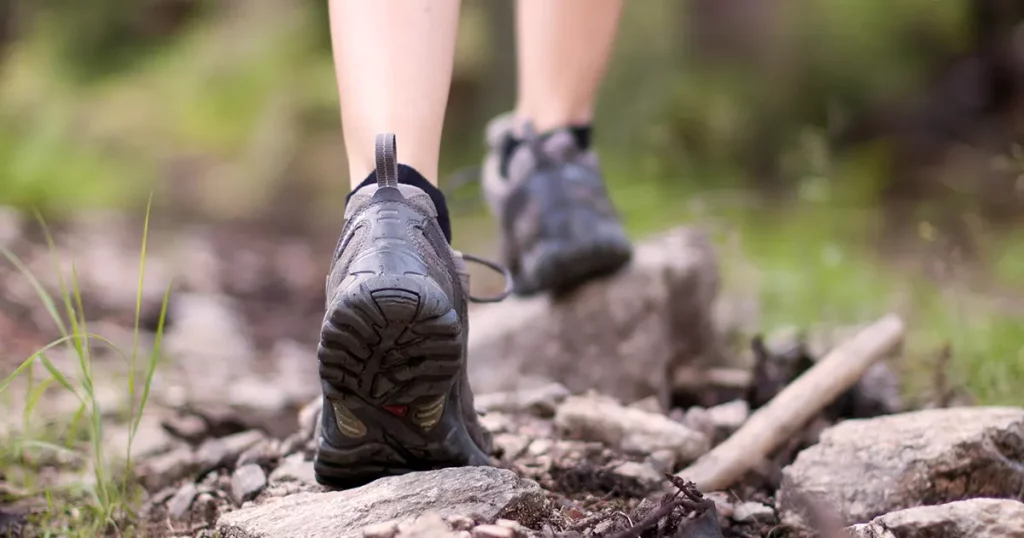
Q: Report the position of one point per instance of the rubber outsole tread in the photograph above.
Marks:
(411, 354)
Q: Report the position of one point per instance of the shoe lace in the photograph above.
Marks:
(497, 267)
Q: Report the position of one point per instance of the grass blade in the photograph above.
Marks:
(27, 362)
(44, 296)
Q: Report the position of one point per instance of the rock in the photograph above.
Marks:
(493, 531)
(294, 468)
(976, 518)
(752, 511)
(728, 417)
(180, 504)
(262, 453)
(652, 316)
(484, 491)
(246, 482)
(699, 419)
(663, 460)
(190, 428)
(541, 401)
(651, 404)
(865, 468)
(510, 445)
(598, 418)
(496, 422)
(309, 418)
(641, 472)
(460, 523)
(224, 451)
(164, 469)
(539, 447)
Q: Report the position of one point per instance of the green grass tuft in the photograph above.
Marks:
(104, 502)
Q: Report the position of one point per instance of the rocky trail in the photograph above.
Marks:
(624, 410)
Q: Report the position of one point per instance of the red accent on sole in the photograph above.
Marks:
(397, 410)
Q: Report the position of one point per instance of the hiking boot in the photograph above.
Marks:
(558, 226)
(393, 342)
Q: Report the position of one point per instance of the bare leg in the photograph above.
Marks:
(563, 47)
(393, 61)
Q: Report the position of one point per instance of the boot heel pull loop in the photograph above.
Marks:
(387, 160)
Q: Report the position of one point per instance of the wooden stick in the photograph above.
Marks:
(804, 398)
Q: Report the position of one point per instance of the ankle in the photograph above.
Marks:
(408, 175)
(581, 133)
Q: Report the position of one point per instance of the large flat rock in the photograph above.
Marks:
(622, 335)
(976, 518)
(485, 492)
(862, 469)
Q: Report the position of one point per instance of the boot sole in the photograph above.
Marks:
(566, 265)
(391, 353)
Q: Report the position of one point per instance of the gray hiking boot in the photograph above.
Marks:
(559, 228)
(393, 342)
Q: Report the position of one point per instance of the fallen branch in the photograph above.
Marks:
(804, 398)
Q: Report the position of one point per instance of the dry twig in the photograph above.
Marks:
(805, 397)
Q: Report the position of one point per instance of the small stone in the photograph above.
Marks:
(388, 529)
(163, 470)
(510, 445)
(262, 453)
(598, 418)
(514, 525)
(663, 460)
(460, 523)
(540, 447)
(224, 451)
(723, 502)
(728, 417)
(651, 404)
(641, 472)
(309, 418)
(540, 401)
(496, 422)
(180, 504)
(294, 468)
(246, 482)
(159, 497)
(189, 428)
(752, 511)
(493, 531)
(428, 525)
(699, 419)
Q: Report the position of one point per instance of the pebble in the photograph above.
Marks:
(751, 511)
(639, 471)
(510, 445)
(246, 482)
(662, 460)
(224, 451)
(181, 502)
(493, 531)
(728, 417)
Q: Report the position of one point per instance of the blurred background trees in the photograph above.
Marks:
(838, 150)
(914, 100)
